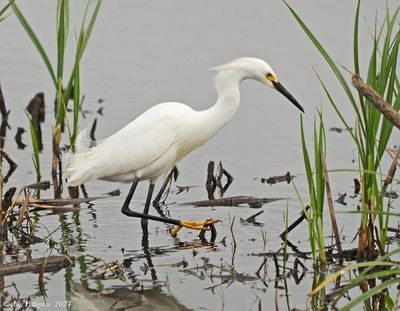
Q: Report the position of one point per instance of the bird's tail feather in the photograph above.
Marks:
(76, 172)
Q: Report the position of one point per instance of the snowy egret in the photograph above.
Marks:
(151, 144)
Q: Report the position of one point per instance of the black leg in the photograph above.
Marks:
(125, 208)
(146, 208)
(198, 225)
(128, 212)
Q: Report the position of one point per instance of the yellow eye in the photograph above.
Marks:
(271, 77)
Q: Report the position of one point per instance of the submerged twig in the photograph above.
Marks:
(295, 223)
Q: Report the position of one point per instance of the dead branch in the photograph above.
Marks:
(58, 202)
(48, 264)
(233, 201)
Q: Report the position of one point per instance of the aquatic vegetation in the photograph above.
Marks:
(316, 187)
(371, 136)
(70, 89)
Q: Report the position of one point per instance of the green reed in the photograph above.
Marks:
(372, 131)
(4, 10)
(382, 272)
(71, 88)
(316, 189)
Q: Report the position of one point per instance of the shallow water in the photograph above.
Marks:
(143, 53)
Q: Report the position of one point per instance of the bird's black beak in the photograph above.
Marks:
(281, 89)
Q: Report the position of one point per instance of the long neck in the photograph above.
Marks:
(226, 106)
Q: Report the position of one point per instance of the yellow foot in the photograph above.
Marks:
(203, 225)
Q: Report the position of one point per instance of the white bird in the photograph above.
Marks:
(154, 142)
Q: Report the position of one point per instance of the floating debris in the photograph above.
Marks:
(277, 179)
(107, 271)
(391, 194)
(339, 130)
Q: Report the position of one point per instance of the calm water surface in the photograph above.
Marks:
(145, 52)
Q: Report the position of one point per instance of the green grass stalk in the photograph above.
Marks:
(316, 188)
(64, 92)
(4, 10)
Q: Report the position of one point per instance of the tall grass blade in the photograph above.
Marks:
(31, 34)
(370, 293)
(81, 45)
(62, 34)
(4, 9)
(328, 59)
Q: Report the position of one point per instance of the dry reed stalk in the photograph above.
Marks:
(375, 99)
(331, 208)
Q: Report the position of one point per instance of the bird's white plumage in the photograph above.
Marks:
(152, 143)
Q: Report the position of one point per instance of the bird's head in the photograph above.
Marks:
(257, 69)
